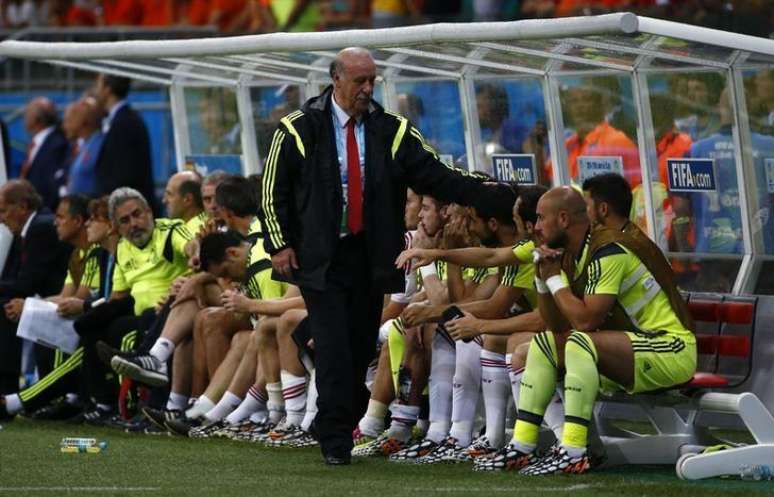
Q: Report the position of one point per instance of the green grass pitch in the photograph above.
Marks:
(150, 466)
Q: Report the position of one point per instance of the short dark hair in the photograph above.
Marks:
(119, 86)
(77, 205)
(613, 189)
(239, 195)
(495, 200)
(194, 188)
(529, 195)
(98, 208)
(213, 246)
(21, 192)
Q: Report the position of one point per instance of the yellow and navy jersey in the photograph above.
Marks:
(615, 270)
(258, 283)
(522, 275)
(196, 223)
(148, 272)
(90, 277)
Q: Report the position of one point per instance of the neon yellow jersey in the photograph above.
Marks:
(615, 270)
(148, 272)
(256, 228)
(482, 273)
(258, 283)
(196, 223)
(523, 251)
(91, 274)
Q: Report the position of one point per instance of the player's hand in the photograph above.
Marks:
(421, 257)
(416, 314)
(235, 301)
(424, 241)
(464, 328)
(549, 261)
(178, 284)
(70, 307)
(284, 262)
(13, 309)
(191, 290)
(455, 232)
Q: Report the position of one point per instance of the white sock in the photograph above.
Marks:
(404, 418)
(162, 349)
(422, 426)
(467, 387)
(515, 377)
(311, 404)
(294, 395)
(177, 401)
(441, 375)
(223, 408)
(201, 406)
(495, 386)
(276, 403)
(259, 417)
(554, 416)
(254, 401)
(13, 404)
(372, 424)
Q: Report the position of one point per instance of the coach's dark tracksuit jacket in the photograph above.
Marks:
(302, 191)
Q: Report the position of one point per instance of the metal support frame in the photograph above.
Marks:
(646, 144)
(238, 70)
(474, 150)
(180, 134)
(85, 66)
(250, 157)
(514, 49)
(746, 180)
(556, 140)
(614, 47)
(169, 72)
(463, 60)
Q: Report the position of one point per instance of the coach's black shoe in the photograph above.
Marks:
(58, 411)
(106, 352)
(143, 368)
(159, 417)
(182, 426)
(335, 460)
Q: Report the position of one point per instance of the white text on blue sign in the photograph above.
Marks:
(691, 175)
(518, 168)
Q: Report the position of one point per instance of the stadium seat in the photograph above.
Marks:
(725, 332)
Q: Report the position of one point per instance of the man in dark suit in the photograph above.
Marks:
(125, 157)
(48, 152)
(36, 265)
(334, 191)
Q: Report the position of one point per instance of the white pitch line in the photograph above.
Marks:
(79, 489)
(569, 488)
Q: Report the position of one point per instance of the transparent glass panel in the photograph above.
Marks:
(765, 284)
(213, 121)
(692, 118)
(435, 108)
(601, 132)
(512, 119)
(759, 95)
(270, 104)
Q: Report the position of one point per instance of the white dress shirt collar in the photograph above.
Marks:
(38, 139)
(27, 224)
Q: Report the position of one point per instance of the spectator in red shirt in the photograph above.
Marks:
(121, 12)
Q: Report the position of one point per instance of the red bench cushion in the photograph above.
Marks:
(706, 380)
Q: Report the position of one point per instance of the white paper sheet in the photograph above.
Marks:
(41, 324)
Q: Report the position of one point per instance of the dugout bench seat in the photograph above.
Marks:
(725, 332)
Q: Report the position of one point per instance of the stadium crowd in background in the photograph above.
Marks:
(263, 16)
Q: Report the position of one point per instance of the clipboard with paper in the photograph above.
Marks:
(41, 324)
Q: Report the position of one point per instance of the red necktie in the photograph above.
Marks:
(25, 168)
(354, 186)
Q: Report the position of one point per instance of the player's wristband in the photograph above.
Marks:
(428, 270)
(541, 286)
(555, 283)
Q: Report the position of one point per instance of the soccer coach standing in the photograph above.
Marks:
(334, 189)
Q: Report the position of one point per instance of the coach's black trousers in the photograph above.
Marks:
(344, 321)
(10, 355)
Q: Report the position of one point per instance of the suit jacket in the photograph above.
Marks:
(302, 190)
(49, 168)
(125, 157)
(37, 263)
